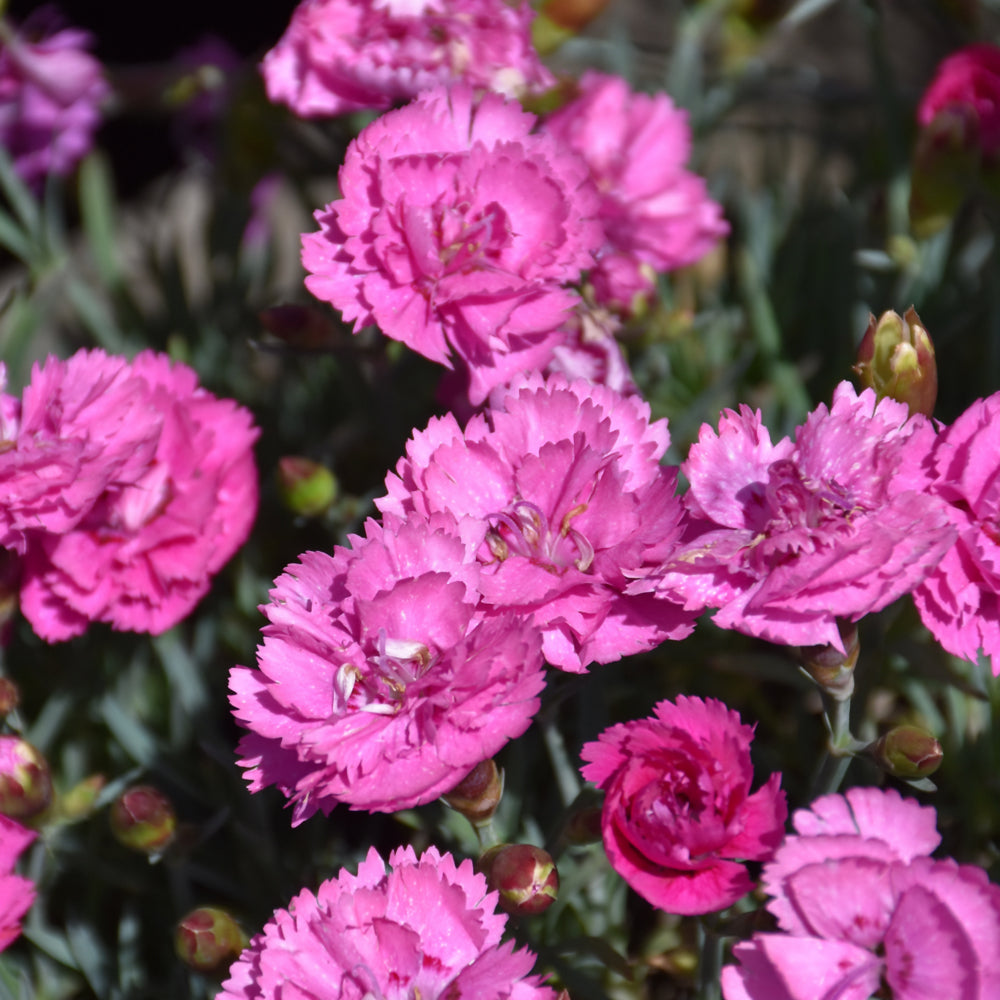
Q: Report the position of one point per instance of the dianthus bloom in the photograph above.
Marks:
(866, 912)
(560, 490)
(960, 599)
(636, 146)
(377, 685)
(679, 811)
(426, 928)
(456, 231)
(81, 425)
(50, 95)
(16, 893)
(144, 553)
(967, 85)
(342, 55)
(792, 536)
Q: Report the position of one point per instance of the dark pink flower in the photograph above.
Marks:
(967, 85)
(82, 425)
(456, 232)
(960, 599)
(865, 911)
(342, 55)
(427, 928)
(560, 491)
(16, 893)
(679, 815)
(792, 536)
(636, 146)
(376, 684)
(50, 95)
(144, 554)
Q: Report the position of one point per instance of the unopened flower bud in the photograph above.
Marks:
(143, 819)
(584, 827)
(302, 328)
(896, 359)
(306, 487)
(830, 668)
(478, 794)
(524, 875)
(557, 21)
(25, 779)
(209, 939)
(10, 696)
(80, 800)
(907, 752)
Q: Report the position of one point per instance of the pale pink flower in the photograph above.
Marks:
(342, 55)
(679, 816)
(50, 95)
(866, 912)
(622, 283)
(144, 554)
(425, 928)
(960, 599)
(560, 489)
(82, 425)
(456, 232)
(376, 684)
(636, 146)
(791, 536)
(16, 893)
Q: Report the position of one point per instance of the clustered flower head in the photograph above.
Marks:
(344, 55)
(457, 232)
(129, 486)
(425, 928)
(679, 816)
(862, 908)
(51, 90)
(788, 537)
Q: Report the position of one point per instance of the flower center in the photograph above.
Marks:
(380, 686)
(524, 530)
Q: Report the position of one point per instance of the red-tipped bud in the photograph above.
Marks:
(478, 794)
(80, 800)
(525, 876)
(302, 328)
(831, 669)
(907, 752)
(306, 487)
(10, 696)
(896, 359)
(143, 819)
(209, 939)
(25, 779)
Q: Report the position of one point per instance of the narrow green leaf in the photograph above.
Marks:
(22, 201)
(96, 317)
(97, 202)
(14, 239)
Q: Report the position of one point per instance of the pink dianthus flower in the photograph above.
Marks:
(791, 536)
(377, 685)
(865, 911)
(679, 811)
(426, 928)
(50, 95)
(343, 55)
(456, 232)
(82, 425)
(636, 146)
(560, 490)
(145, 552)
(959, 601)
(16, 893)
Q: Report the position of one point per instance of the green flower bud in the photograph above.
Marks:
(907, 752)
(25, 779)
(525, 876)
(79, 801)
(896, 359)
(478, 794)
(209, 939)
(143, 819)
(831, 669)
(306, 487)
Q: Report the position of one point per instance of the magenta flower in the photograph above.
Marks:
(83, 424)
(679, 811)
(342, 55)
(792, 536)
(561, 492)
(960, 599)
(456, 232)
(50, 95)
(865, 911)
(16, 893)
(144, 554)
(636, 146)
(427, 928)
(377, 685)
(591, 352)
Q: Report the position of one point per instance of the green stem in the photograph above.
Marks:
(710, 966)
